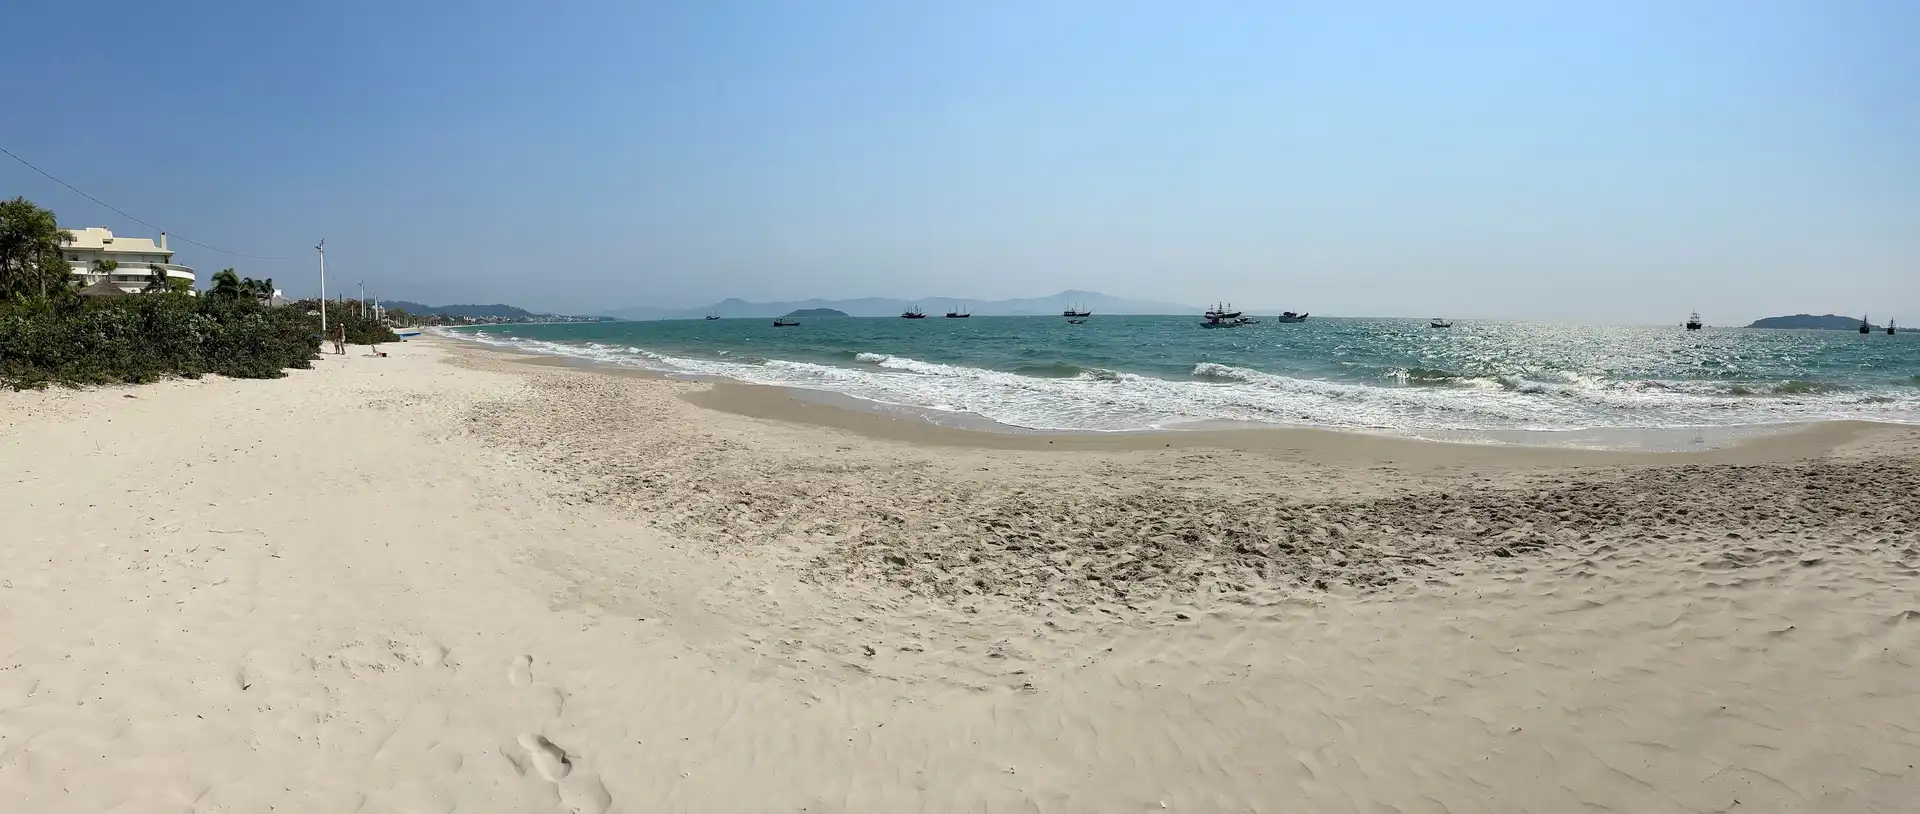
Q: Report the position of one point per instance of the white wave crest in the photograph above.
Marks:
(1100, 399)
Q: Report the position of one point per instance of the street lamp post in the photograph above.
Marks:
(322, 249)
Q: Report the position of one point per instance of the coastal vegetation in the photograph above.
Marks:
(232, 286)
(50, 333)
(78, 341)
(815, 313)
(362, 328)
(31, 266)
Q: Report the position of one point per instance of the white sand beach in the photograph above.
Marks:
(457, 580)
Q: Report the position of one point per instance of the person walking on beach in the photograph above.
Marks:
(340, 341)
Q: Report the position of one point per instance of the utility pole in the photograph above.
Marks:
(363, 299)
(322, 249)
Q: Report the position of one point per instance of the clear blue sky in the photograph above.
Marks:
(1599, 162)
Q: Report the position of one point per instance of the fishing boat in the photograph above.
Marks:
(1890, 329)
(1439, 322)
(955, 313)
(713, 316)
(913, 313)
(781, 323)
(1222, 311)
(1222, 315)
(1289, 316)
(1073, 312)
(1865, 326)
(1693, 321)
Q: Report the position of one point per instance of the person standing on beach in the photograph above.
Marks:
(340, 341)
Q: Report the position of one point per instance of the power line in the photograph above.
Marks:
(123, 213)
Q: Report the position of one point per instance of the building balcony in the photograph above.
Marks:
(133, 279)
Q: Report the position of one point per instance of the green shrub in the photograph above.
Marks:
(361, 330)
(48, 334)
(134, 339)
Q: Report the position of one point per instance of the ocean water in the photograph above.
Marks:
(1118, 373)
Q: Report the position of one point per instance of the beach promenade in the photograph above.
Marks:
(455, 579)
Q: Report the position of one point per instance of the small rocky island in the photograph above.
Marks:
(1827, 322)
(814, 313)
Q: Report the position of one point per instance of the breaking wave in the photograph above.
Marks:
(1061, 396)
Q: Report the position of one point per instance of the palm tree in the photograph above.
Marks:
(261, 290)
(104, 268)
(226, 284)
(157, 279)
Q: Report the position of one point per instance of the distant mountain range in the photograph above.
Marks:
(884, 307)
(1831, 322)
(816, 313)
(468, 311)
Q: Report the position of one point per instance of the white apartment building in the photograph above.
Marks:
(136, 258)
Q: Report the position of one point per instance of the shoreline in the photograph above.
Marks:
(878, 420)
(1533, 411)
(827, 480)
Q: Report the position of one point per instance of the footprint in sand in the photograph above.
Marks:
(581, 792)
(552, 700)
(549, 760)
(585, 795)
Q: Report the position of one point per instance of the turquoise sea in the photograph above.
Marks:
(1130, 373)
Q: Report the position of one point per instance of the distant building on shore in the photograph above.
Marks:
(133, 259)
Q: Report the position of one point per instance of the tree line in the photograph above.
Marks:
(49, 333)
